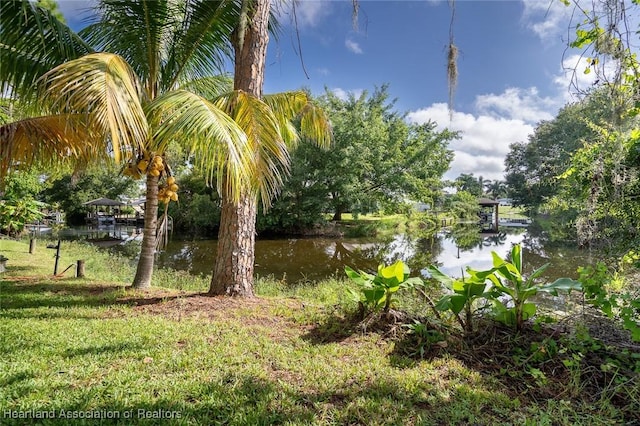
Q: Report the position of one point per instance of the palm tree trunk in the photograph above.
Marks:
(144, 271)
(233, 271)
(250, 40)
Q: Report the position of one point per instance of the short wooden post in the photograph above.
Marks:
(57, 256)
(32, 245)
(80, 269)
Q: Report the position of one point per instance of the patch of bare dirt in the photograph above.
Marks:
(252, 312)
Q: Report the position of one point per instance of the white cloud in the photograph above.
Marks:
(484, 140)
(344, 94)
(499, 120)
(353, 46)
(307, 13)
(572, 80)
(520, 104)
(548, 19)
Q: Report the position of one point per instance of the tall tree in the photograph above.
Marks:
(233, 271)
(495, 188)
(119, 100)
(377, 160)
(267, 122)
(532, 167)
(469, 183)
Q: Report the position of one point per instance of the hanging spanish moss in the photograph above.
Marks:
(354, 15)
(452, 61)
(452, 74)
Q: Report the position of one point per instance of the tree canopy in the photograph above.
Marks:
(377, 160)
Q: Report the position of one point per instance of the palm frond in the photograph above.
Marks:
(287, 105)
(210, 87)
(166, 42)
(314, 123)
(104, 89)
(200, 46)
(262, 127)
(32, 41)
(48, 141)
(136, 31)
(219, 145)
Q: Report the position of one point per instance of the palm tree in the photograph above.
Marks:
(469, 183)
(481, 183)
(495, 188)
(112, 99)
(267, 122)
(163, 51)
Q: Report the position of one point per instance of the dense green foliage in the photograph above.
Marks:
(467, 182)
(582, 169)
(71, 191)
(198, 210)
(16, 213)
(602, 185)
(377, 162)
(533, 168)
(601, 289)
(18, 202)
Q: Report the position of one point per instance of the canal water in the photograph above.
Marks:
(312, 259)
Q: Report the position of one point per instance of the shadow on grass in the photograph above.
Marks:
(12, 379)
(19, 268)
(32, 293)
(334, 329)
(242, 399)
(102, 349)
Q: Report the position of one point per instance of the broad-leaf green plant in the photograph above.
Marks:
(465, 291)
(512, 291)
(376, 291)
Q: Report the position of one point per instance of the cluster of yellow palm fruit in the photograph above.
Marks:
(151, 164)
(155, 166)
(169, 191)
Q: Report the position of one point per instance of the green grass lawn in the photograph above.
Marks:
(512, 212)
(75, 349)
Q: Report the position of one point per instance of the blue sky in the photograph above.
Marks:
(514, 68)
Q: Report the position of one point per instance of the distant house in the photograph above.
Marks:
(421, 207)
(505, 201)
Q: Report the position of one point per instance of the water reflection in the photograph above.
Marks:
(298, 259)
